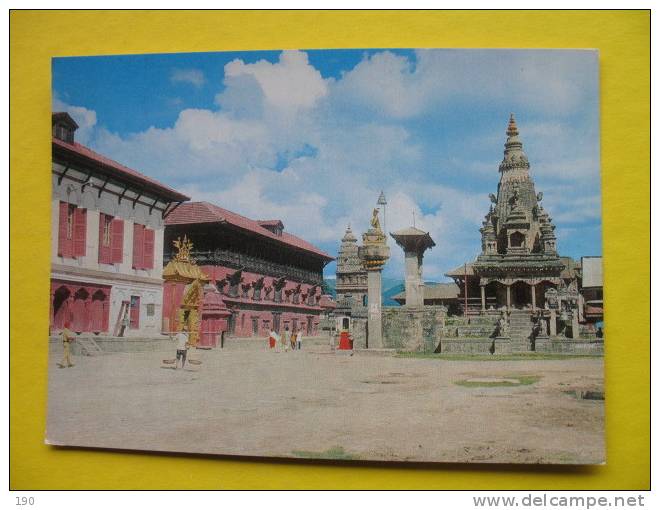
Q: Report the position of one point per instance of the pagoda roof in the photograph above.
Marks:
(176, 269)
(109, 166)
(191, 213)
(413, 237)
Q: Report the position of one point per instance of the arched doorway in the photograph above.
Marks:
(61, 314)
(99, 312)
(79, 311)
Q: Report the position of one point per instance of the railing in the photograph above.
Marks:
(253, 265)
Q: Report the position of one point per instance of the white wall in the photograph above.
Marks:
(108, 203)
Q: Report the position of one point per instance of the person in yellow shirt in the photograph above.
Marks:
(67, 338)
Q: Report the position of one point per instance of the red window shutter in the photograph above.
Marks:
(138, 246)
(79, 232)
(117, 244)
(62, 241)
(135, 312)
(149, 240)
(103, 257)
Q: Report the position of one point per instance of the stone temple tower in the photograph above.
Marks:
(351, 275)
(517, 225)
(519, 259)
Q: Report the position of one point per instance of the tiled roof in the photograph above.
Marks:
(461, 270)
(205, 212)
(120, 170)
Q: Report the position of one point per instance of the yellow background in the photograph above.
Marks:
(623, 39)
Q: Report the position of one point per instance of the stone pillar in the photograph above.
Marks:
(413, 282)
(373, 254)
(414, 243)
(508, 297)
(533, 297)
(575, 324)
(553, 323)
(483, 298)
(375, 318)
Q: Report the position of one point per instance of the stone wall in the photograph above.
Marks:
(359, 332)
(569, 346)
(470, 327)
(413, 329)
(110, 344)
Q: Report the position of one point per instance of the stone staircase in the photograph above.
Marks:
(520, 330)
(88, 346)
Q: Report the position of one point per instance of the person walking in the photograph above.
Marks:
(293, 340)
(299, 339)
(273, 340)
(67, 338)
(286, 339)
(181, 346)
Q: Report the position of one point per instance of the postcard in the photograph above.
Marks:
(357, 255)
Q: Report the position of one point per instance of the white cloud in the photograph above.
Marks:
(288, 85)
(286, 143)
(192, 76)
(392, 85)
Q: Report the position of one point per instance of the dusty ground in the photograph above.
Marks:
(320, 404)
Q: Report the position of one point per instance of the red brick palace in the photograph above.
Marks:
(266, 277)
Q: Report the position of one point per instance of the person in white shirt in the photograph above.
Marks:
(286, 339)
(299, 339)
(181, 346)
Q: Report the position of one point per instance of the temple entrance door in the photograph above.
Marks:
(492, 294)
(60, 307)
(520, 295)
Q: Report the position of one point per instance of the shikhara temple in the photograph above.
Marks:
(518, 263)
(519, 294)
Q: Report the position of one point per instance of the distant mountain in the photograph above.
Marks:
(391, 287)
(330, 285)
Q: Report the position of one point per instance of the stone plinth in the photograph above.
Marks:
(413, 329)
(414, 243)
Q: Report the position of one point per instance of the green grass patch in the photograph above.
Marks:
(494, 357)
(523, 380)
(334, 453)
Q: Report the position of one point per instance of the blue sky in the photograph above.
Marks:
(311, 137)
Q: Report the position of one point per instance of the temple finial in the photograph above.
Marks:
(512, 129)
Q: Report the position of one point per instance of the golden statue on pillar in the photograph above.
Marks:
(375, 221)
